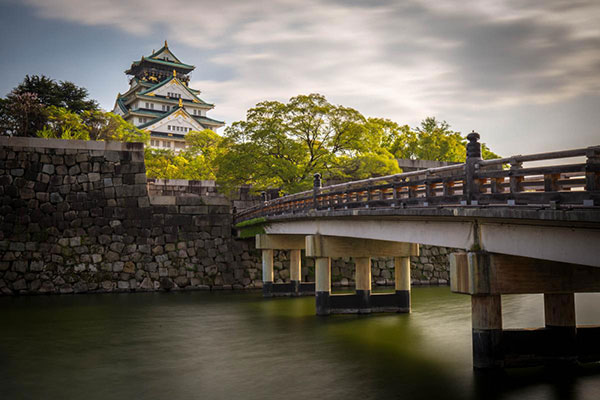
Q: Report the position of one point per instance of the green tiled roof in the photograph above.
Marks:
(164, 62)
(165, 81)
(121, 105)
(165, 47)
(166, 114)
(166, 135)
(207, 120)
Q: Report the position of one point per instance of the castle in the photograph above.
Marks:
(160, 101)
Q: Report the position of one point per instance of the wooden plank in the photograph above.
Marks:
(334, 246)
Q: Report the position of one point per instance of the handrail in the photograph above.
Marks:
(540, 156)
(457, 185)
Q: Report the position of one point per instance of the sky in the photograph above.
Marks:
(524, 74)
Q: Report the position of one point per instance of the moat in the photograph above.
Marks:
(227, 345)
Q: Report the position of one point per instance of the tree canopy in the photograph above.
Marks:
(432, 140)
(284, 144)
(198, 161)
(63, 94)
(40, 106)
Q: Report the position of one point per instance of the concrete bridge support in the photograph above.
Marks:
(402, 280)
(488, 276)
(323, 248)
(295, 244)
(323, 285)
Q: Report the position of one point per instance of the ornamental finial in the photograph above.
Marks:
(174, 74)
(180, 103)
(473, 147)
(166, 45)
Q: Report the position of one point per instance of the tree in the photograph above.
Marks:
(432, 140)
(108, 126)
(21, 114)
(25, 109)
(284, 144)
(196, 162)
(63, 124)
(62, 94)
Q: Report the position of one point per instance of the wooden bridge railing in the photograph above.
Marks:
(502, 181)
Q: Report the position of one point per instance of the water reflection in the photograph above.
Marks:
(238, 345)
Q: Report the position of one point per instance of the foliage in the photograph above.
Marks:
(21, 114)
(196, 162)
(95, 125)
(283, 145)
(63, 124)
(108, 126)
(432, 140)
(62, 94)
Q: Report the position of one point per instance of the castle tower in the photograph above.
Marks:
(160, 101)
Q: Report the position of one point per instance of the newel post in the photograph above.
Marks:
(316, 189)
(592, 174)
(471, 186)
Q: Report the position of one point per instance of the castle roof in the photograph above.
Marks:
(163, 57)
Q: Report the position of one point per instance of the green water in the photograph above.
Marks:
(199, 345)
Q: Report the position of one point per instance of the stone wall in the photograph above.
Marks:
(76, 216)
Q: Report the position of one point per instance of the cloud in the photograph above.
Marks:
(386, 58)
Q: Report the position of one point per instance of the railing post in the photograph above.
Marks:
(473, 157)
(592, 174)
(515, 181)
(316, 189)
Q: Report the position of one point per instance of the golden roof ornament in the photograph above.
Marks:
(166, 45)
(180, 103)
(174, 74)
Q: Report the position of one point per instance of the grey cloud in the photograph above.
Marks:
(386, 57)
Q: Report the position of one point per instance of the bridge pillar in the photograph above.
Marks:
(486, 319)
(295, 270)
(487, 276)
(363, 301)
(267, 272)
(363, 283)
(293, 243)
(402, 281)
(323, 285)
(559, 315)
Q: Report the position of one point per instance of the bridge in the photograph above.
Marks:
(524, 229)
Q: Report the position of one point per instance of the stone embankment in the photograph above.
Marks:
(76, 217)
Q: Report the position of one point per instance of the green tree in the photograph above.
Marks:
(21, 114)
(432, 140)
(108, 126)
(63, 94)
(284, 144)
(26, 109)
(63, 124)
(196, 162)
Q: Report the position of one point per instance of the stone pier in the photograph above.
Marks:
(488, 276)
(294, 244)
(324, 248)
